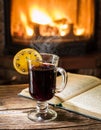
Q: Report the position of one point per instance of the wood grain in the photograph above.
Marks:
(14, 110)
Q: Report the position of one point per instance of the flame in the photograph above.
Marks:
(79, 31)
(28, 29)
(49, 18)
(23, 18)
(33, 16)
(40, 17)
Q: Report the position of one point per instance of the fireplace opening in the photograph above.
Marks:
(72, 35)
(63, 27)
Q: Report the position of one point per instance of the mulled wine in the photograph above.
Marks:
(43, 82)
(42, 85)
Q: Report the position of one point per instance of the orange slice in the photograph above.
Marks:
(20, 59)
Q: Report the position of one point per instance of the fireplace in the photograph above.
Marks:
(61, 26)
(78, 45)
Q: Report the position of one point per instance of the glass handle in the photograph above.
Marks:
(64, 79)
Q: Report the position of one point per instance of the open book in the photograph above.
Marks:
(82, 95)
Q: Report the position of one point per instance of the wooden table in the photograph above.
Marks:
(14, 109)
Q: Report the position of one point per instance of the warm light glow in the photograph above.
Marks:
(29, 31)
(64, 29)
(30, 18)
(37, 16)
(23, 18)
(79, 31)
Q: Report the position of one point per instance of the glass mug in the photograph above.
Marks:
(42, 86)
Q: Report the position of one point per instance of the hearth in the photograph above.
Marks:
(79, 52)
(62, 27)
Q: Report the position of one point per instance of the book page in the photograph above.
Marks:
(88, 103)
(25, 93)
(76, 85)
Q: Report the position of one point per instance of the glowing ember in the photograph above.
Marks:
(79, 31)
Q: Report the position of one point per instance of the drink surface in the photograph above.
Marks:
(42, 82)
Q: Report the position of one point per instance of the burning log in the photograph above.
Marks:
(48, 30)
(59, 27)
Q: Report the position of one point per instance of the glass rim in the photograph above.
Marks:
(51, 54)
(54, 56)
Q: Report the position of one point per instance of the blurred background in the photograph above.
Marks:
(70, 29)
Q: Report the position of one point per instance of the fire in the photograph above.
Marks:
(48, 27)
(38, 20)
(79, 31)
(49, 18)
(37, 16)
(28, 30)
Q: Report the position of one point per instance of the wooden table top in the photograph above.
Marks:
(14, 109)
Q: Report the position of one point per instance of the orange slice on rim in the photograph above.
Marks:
(20, 59)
